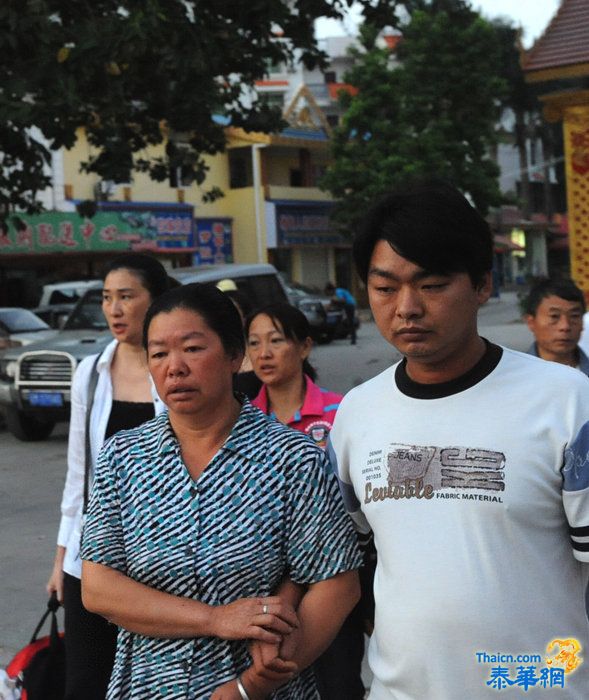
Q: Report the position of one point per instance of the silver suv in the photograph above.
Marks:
(35, 382)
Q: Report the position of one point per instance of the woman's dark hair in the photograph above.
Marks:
(290, 321)
(430, 223)
(151, 272)
(214, 306)
(241, 300)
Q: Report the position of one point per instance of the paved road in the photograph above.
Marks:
(342, 366)
(31, 480)
(32, 474)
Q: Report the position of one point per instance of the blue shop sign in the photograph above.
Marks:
(306, 223)
(213, 241)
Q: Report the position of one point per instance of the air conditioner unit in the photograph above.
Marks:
(103, 189)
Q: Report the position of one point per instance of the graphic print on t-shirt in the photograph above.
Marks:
(426, 472)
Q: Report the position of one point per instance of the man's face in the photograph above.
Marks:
(430, 318)
(557, 327)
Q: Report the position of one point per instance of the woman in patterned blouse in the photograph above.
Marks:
(209, 525)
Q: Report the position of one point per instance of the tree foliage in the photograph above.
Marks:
(432, 113)
(120, 69)
(530, 130)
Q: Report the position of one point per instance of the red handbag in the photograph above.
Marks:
(38, 669)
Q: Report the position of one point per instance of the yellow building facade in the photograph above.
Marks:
(272, 204)
(272, 210)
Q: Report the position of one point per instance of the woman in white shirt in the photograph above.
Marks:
(124, 398)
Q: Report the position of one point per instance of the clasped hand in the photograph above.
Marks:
(265, 619)
(275, 636)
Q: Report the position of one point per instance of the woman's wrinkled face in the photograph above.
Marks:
(191, 370)
(124, 304)
(276, 359)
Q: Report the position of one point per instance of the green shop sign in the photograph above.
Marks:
(57, 232)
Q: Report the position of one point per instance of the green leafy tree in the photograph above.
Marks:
(433, 113)
(135, 73)
(529, 126)
(520, 98)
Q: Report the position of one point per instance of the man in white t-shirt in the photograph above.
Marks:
(470, 464)
(554, 313)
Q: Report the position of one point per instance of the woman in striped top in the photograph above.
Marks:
(210, 524)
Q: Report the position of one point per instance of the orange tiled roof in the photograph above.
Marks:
(334, 89)
(392, 41)
(565, 42)
(272, 83)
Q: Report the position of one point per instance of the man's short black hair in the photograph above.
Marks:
(430, 223)
(563, 288)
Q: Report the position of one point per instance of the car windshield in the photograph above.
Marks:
(21, 321)
(88, 315)
(302, 290)
(64, 296)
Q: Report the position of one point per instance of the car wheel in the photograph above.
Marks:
(28, 428)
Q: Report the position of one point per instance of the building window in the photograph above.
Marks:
(273, 99)
(274, 67)
(181, 174)
(180, 177)
(330, 76)
(296, 177)
(240, 168)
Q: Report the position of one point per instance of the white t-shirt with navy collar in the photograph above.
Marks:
(477, 493)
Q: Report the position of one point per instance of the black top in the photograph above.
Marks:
(483, 368)
(128, 414)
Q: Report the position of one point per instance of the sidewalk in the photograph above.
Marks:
(504, 309)
(500, 320)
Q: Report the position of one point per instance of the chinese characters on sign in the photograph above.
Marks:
(306, 224)
(213, 240)
(59, 232)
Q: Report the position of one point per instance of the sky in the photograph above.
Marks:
(532, 15)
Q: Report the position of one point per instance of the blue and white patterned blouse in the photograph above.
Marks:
(266, 506)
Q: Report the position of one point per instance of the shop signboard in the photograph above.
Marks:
(118, 230)
(213, 241)
(306, 223)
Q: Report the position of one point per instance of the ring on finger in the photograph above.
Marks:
(264, 609)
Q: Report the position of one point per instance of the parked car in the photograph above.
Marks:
(54, 315)
(35, 382)
(70, 292)
(59, 299)
(258, 282)
(21, 327)
(327, 320)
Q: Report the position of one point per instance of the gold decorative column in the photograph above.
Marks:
(573, 109)
(576, 139)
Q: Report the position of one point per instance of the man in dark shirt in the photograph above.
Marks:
(554, 314)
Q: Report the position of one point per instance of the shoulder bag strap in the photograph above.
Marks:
(52, 606)
(88, 451)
